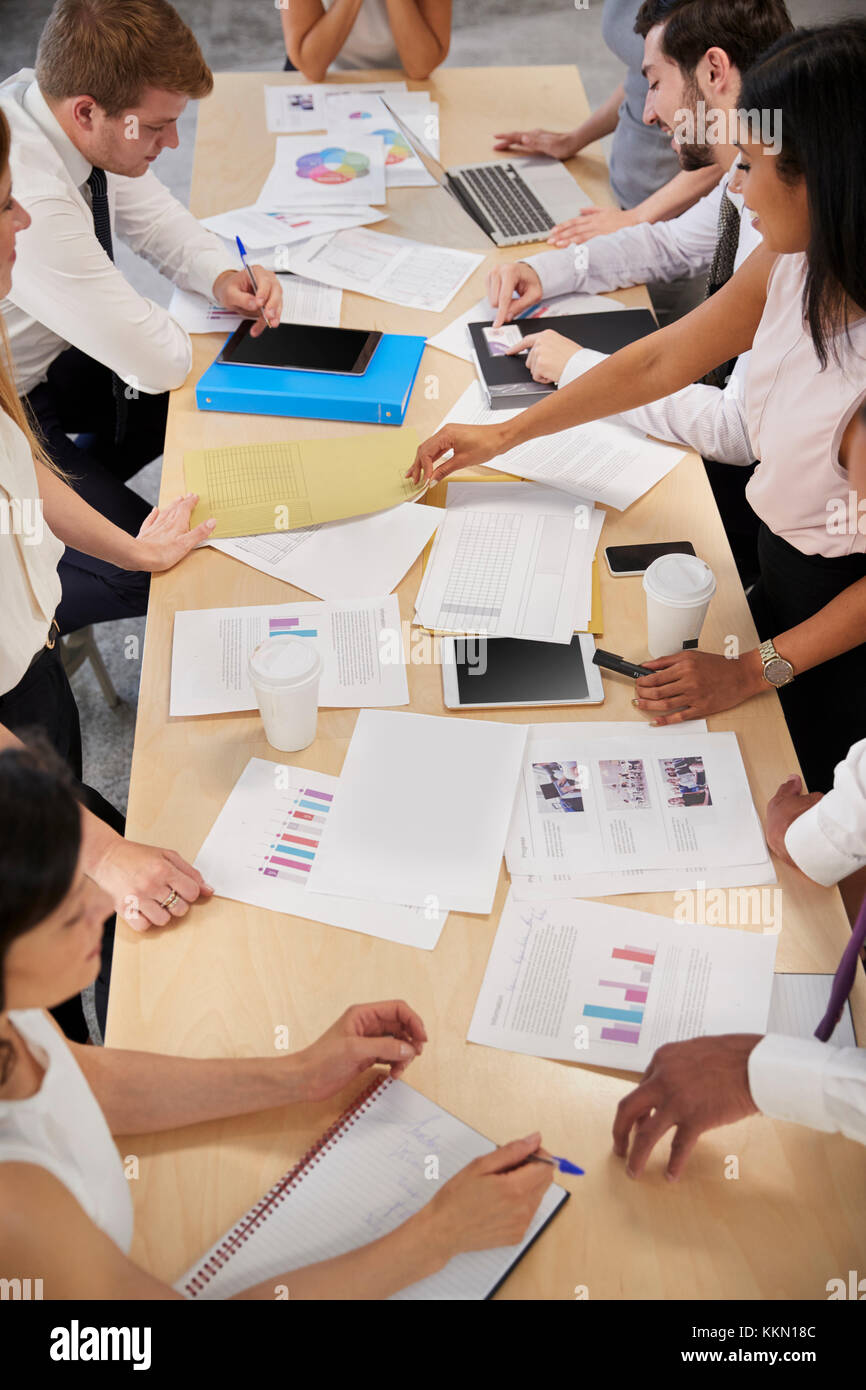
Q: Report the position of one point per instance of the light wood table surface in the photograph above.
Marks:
(224, 980)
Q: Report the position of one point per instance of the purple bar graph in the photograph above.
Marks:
(639, 995)
(626, 1035)
(616, 984)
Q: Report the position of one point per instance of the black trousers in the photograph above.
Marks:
(728, 483)
(77, 398)
(825, 708)
(43, 702)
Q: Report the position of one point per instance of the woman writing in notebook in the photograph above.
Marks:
(65, 1206)
(799, 303)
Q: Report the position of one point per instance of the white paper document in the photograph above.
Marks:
(403, 168)
(392, 268)
(507, 561)
(455, 338)
(608, 462)
(605, 986)
(312, 171)
(304, 301)
(423, 811)
(420, 115)
(365, 556)
(359, 642)
(264, 841)
(259, 229)
(651, 800)
(293, 110)
(799, 1002)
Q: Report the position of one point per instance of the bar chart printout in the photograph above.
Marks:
(618, 1013)
(294, 835)
(292, 627)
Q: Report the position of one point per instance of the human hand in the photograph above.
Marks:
(783, 808)
(165, 537)
(233, 291)
(693, 684)
(365, 1034)
(591, 222)
(471, 445)
(537, 142)
(490, 1202)
(502, 281)
(548, 353)
(690, 1087)
(140, 878)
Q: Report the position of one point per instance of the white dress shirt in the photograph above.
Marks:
(802, 1079)
(65, 290)
(703, 418)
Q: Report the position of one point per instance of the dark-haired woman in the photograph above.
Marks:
(65, 1208)
(40, 514)
(799, 303)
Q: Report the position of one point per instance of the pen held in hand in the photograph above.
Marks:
(243, 255)
(562, 1164)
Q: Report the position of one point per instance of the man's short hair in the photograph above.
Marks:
(743, 28)
(115, 50)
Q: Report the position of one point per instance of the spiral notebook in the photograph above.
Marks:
(366, 1175)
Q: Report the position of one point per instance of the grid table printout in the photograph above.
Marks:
(478, 582)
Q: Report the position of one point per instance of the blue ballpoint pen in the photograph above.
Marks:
(561, 1163)
(246, 266)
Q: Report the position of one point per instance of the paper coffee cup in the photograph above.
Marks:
(285, 672)
(678, 591)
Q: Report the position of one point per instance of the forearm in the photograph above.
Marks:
(142, 1093)
(420, 48)
(836, 628)
(602, 122)
(79, 525)
(374, 1271)
(317, 46)
(677, 196)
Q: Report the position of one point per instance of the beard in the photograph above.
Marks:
(693, 157)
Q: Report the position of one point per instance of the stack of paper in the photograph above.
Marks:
(304, 301)
(290, 109)
(606, 986)
(604, 809)
(455, 338)
(359, 641)
(261, 229)
(605, 460)
(314, 172)
(511, 560)
(349, 114)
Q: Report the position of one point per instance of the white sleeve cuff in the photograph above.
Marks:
(557, 271)
(786, 1078)
(582, 360)
(813, 851)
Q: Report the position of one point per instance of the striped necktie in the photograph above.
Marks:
(721, 270)
(843, 981)
(98, 185)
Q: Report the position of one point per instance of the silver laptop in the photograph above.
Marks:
(513, 201)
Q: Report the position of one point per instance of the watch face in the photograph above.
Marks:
(778, 671)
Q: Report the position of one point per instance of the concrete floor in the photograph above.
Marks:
(485, 33)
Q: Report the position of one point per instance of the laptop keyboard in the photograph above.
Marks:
(508, 201)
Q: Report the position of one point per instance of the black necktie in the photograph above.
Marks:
(721, 270)
(98, 185)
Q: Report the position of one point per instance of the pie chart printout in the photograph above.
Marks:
(396, 148)
(332, 165)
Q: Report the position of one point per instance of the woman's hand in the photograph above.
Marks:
(490, 1202)
(165, 537)
(365, 1034)
(467, 446)
(591, 222)
(548, 353)
(503, 281)
(139, 879)
(693, 684)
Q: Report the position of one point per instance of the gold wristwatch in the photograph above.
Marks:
(777, 671)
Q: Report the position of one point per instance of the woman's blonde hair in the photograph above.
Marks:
(10, 402)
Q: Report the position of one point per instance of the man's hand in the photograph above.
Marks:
(537, 142)
(693, 684)
(688, 1087)
(165, 537)
(466, 446)
(365, 1034)
(789, 802)
(548, 353)
(591, 222)
(233, 291)
(140, 878)
(503, 281)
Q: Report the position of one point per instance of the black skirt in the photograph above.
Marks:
(825, 707)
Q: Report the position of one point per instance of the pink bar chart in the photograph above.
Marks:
(620, 1013)
(294, 840)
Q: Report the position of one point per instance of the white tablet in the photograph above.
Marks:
(507, 672)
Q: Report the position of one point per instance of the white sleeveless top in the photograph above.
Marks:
(371, 41)
(797, 415)
(62, 1128)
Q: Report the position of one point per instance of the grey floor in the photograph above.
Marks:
(485, 33)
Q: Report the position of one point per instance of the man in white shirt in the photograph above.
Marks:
(92, 356)
(694, 56)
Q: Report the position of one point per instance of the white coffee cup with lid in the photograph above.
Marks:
(285, 672)
(678, 591)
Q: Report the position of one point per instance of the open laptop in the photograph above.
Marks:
(513, 201)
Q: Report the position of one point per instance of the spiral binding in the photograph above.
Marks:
(281, 1189)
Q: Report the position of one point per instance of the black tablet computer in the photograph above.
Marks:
(302, 347)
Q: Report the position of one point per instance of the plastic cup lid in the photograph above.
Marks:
(284, 662)
(681, 580)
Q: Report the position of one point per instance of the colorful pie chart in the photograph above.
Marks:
(396, 149)
(333, 165)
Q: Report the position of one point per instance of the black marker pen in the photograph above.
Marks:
(616, 663)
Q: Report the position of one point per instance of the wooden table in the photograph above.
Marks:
(223, 981)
